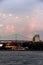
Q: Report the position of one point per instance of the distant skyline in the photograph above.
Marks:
(21, 19)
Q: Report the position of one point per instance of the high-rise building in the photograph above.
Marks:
(36, 38)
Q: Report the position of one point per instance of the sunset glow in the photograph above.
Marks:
(21, 17)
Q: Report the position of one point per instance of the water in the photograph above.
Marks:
(21, 57)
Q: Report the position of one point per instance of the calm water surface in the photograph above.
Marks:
(21, 57)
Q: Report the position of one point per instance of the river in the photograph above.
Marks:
(21, 57)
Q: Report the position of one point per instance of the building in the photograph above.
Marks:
(36, 38)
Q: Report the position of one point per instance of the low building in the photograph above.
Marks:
(9, 45)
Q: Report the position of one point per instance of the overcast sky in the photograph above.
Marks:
(21, 19)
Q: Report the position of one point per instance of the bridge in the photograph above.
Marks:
(14, 37)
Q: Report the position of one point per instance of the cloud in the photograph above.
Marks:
(29, 36)
(10, 29)
(17, 7)
(1, 0)
(41, 0)
(21, 16)
(1, 25)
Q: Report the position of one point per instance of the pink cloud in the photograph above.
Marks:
(36, 21)
(29, 36)
(24, 24)
(1, 25)
(10, 29)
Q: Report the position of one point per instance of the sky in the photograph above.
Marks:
(21, 19)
